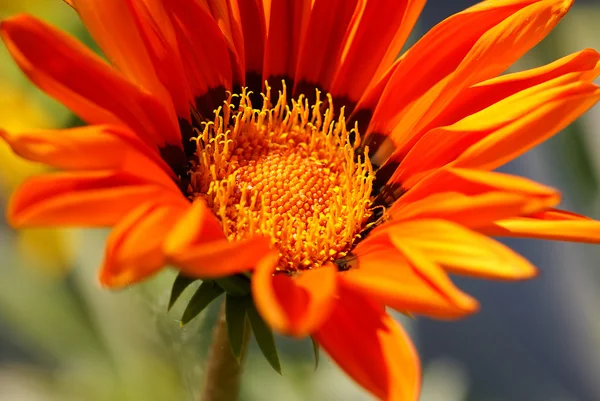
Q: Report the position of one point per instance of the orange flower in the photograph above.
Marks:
(333, 212)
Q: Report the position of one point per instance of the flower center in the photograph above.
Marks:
(285, 171)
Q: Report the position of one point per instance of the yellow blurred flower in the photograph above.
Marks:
(20, 111)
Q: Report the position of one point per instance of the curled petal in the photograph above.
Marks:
(198, 246)
(134, 248)
(293, 305)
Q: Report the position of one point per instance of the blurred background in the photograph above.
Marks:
(63, 338)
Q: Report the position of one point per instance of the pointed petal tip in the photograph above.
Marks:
(466, 304)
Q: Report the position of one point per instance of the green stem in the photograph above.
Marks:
(223, 370)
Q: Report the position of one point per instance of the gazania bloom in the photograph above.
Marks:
(281, 143)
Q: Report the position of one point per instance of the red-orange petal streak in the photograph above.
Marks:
(159, 36)
(206, 52)
(253, 27)
(411, 15)
(113, 26)
(286, 30)
(468, 210)
(380, 30)
(329, 20)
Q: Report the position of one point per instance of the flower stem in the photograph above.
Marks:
(223, 370)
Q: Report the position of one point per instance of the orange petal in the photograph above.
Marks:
(502, 131)
(329, 20)
(363, 111)
(295, 306)
(158, 34)
(134, 247)
(113, 26)
(227, 13)
(287, 24)
(551, 224)
(514, 139)
(489, 92)
(459, 249)
(99, 198)
(405, 280)
(253, 28)
(411, 15)
(75, 76)
(92, 148)
(468, 210)
(380, 30)
(372, 348)
(198, 246)
(440, 145)
(204, 48)
(473, 197)
(486, 39)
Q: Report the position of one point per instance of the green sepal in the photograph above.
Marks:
(235, 285)
(264, 337)
(235, 314)
(316, 351)
(179, 285)
(204, 295)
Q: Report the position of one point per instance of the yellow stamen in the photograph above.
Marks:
(285, 171)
